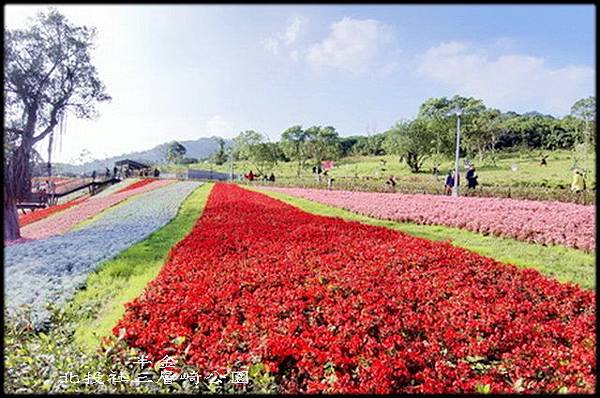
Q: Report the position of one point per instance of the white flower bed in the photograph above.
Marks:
(51, 270)
(115, 187)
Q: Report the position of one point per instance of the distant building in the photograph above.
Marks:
(131, 168)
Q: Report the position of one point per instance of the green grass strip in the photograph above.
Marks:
(123, 278)
(559, 262)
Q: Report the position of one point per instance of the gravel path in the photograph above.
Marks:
(51, 270)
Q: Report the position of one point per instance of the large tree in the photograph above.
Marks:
(264, 156)
(323, 143)
(412, 141)
(47, 72)
(242, 144)
(293, 143)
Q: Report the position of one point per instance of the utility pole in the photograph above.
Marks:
(456, 165)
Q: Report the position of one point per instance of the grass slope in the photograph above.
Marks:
(557, 172)
(562, 263)
(122, 279)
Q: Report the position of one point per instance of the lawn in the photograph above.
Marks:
(529, 172)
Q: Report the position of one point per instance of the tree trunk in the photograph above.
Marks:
(11, 221)
(17, 186)
(412, 160)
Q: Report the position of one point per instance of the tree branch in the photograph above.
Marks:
(14, 130)
(53, 121)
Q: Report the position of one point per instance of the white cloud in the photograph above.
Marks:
(219, 126)
(353, 45)
(271, 45)
(505, 43)
(510, 82)
(287, 38)
(293, 30)
(295, 55)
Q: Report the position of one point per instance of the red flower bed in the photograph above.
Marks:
(29, 218)
(335, 306)
(138, 184)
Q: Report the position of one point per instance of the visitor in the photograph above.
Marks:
(382, 165)
(51, 188)
(391, 183)
(472, 177)
(156, 172)
(314, 169)
(329, 178)
(250, 176)
(543, 161)
(107, 173)
(115, 170)
(94, 175)
(272, 177)
(578, 184)
(449, 183)
(43, 194)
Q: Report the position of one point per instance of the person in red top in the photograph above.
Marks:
(250, 176)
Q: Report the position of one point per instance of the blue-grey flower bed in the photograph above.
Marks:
(51, 270)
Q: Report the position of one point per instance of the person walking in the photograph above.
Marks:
(472, 177)
(578, 184)
(449, 183)
(272, 177)
(391, 184)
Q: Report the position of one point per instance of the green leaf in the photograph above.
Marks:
(483, 389)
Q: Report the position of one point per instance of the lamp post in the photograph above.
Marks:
(458, 112)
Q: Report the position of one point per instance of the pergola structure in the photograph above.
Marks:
(128, 165)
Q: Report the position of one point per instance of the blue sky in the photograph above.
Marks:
(184, 72)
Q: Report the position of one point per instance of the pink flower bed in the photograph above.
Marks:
(64, 221)
(558, 223)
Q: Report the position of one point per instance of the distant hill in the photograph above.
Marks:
(200, 149)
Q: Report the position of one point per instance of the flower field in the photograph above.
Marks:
(557, 223)
(28, 218)
(62, 222)
(137, 184)
(327, 305)
(117, 187)
(51, 270)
